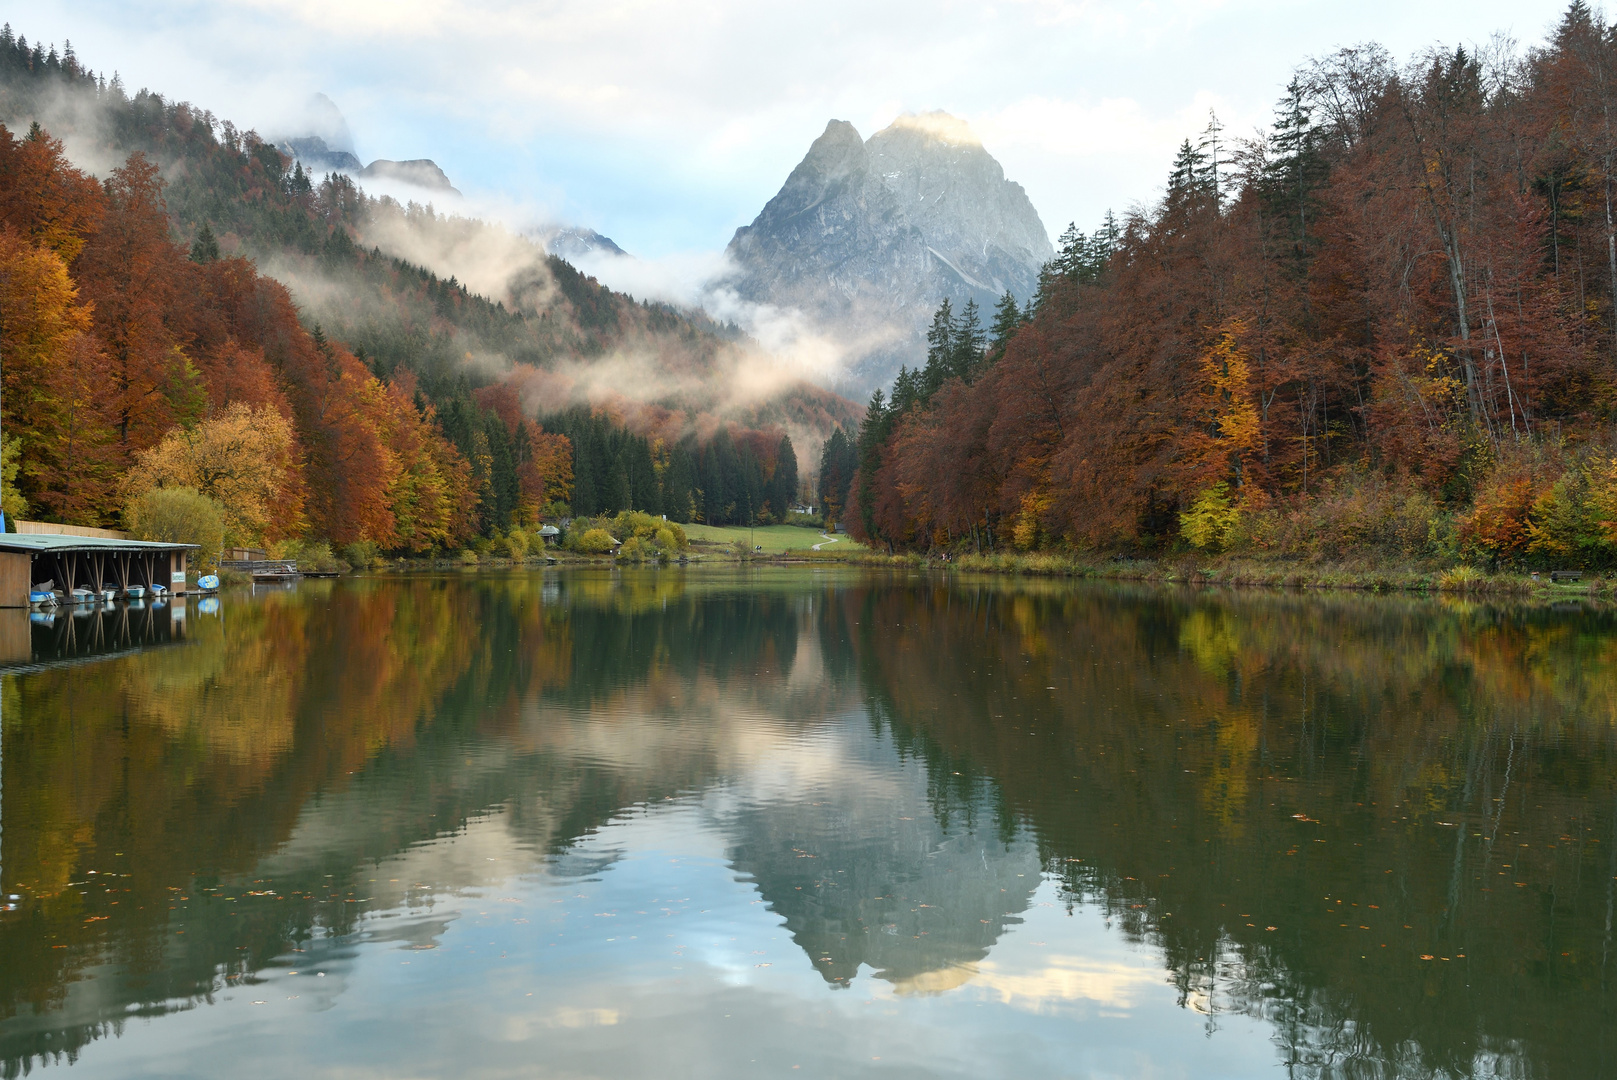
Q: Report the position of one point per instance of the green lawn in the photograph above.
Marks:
(774, 539)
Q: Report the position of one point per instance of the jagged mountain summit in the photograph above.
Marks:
(317, 157)
(576, 243)
(868, 235)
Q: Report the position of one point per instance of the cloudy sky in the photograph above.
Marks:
(666, 125)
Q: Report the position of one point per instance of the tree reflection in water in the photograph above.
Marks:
(1384, 826)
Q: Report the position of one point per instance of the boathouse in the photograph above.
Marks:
(92, 562)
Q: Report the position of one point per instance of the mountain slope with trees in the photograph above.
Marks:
(1387, 328)
(146, 322)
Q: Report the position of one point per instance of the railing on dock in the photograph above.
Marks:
(264, 569)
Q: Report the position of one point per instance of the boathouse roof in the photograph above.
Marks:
(52, 542)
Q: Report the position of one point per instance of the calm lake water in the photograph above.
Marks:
(791, 822)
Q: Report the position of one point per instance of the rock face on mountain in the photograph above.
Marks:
(575, 243)
(421, 172)
(317, 157)
(868, 236)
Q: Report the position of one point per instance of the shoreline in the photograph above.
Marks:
(1183, 569)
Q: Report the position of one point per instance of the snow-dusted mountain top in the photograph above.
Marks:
(868, 235)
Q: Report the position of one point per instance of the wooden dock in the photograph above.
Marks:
(264, 569)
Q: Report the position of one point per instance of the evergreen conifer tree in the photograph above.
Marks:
(1189, 169)
(940, 337)
(1210, 148)
(783, 485)
(907, 388)
(205, 249)
(1007, 319)
(966, 350)
(873, 432)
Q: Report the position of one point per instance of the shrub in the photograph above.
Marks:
(513, 544)
(633, 523)
(1573, 520)
(318, 556)
(361, 554)
(665, 539)
(596, 541)
(179, 515)
(1497, 526)
(1025, 529)
(289, 548)
(1356, 514)
(635, 549)
(1210, 518)
(1461, 579)
(468, 557)
(1526, 481)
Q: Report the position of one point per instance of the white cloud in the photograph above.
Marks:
(666, 125)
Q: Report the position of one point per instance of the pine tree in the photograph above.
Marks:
(1069, 252)
(1184, 180)
(1007, 320)
(615, 496)
(966, 350)
(1098, 253)
(839, 459)
(873, 432)
(642, 475)
(940, 339)
(1210, 147)
(205, 249)
(1296, 168)
(906, 389)
(679, 481)
(783, 485)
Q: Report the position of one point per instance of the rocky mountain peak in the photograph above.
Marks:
(866, 237)
(935, 126)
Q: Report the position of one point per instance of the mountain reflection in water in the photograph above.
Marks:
(731, 822)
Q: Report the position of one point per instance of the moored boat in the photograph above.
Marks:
(208, 582)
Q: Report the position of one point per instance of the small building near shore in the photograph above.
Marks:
(69, 562)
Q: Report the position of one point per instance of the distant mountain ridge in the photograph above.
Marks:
(319, 158)
(866, 237)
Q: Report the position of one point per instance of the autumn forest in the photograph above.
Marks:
(1385, 328)
(147, 359)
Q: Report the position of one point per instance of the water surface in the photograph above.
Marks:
(781, 822)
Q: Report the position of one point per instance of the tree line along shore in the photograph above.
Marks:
(1380, 336)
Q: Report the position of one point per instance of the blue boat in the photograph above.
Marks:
(42, 597)
(208, 582)
(135, 592)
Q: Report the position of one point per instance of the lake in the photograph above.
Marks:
(742, 822)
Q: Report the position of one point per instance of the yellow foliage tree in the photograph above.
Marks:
(1230, 436)
(1025, 527)
(50, 365)
(242, 460)
(1208, 522)
(1233, 424)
